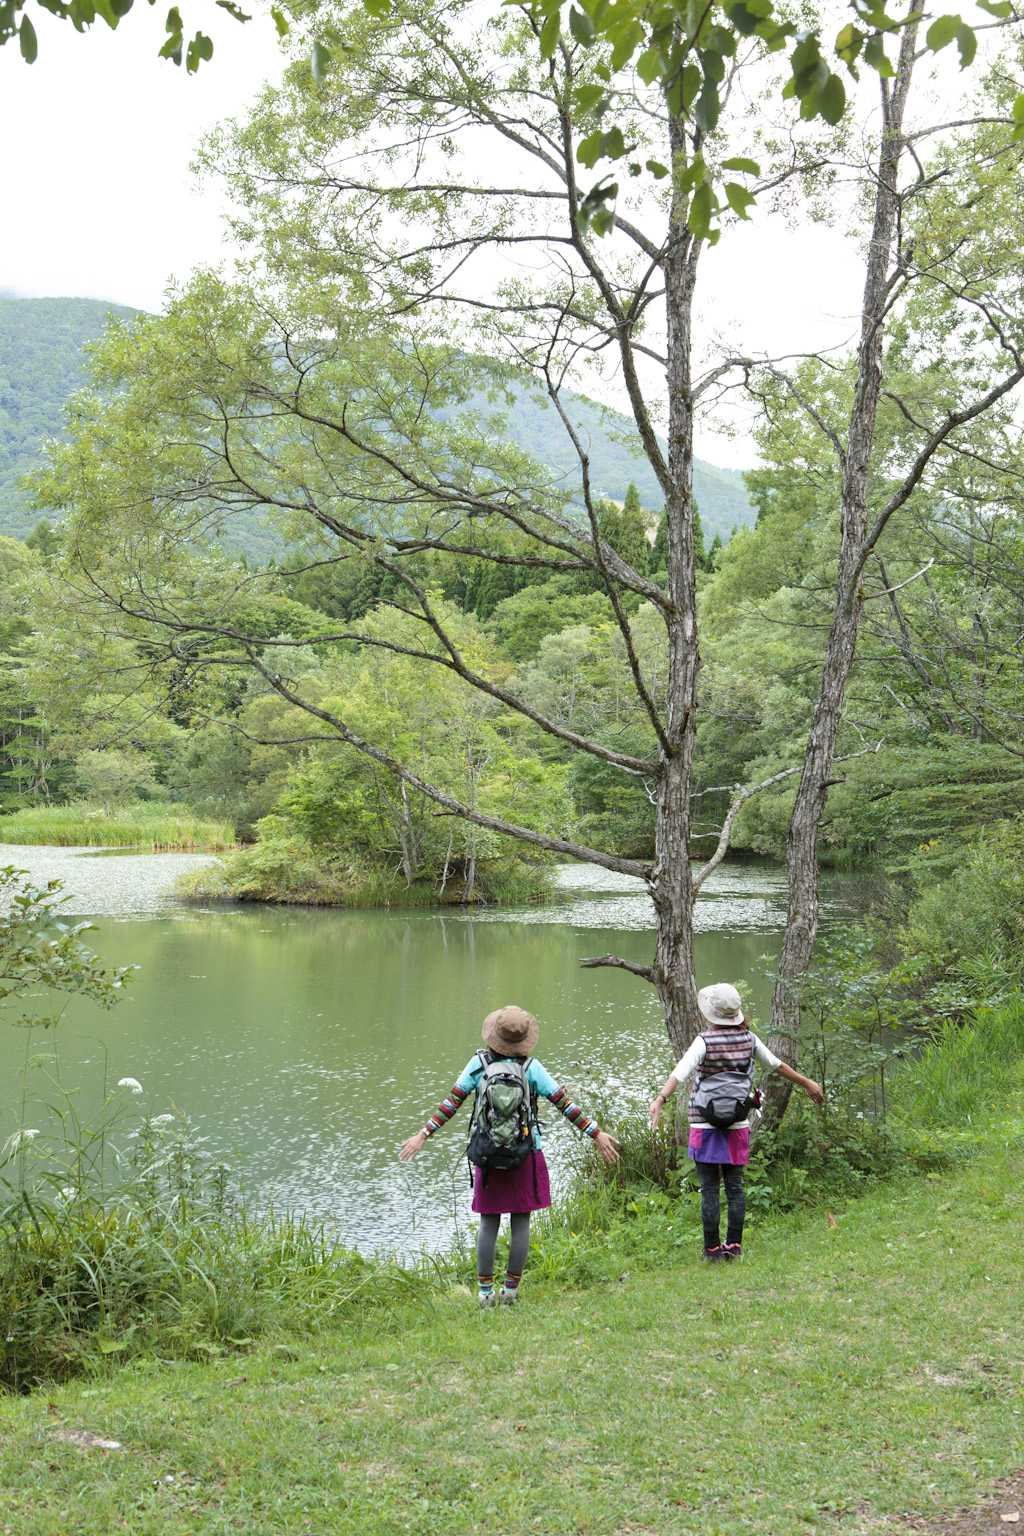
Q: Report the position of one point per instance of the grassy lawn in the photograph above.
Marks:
(839, 1379)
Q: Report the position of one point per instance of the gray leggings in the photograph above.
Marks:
(518, 1248)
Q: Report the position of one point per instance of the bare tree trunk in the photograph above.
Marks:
(671, 879)
(802, 845)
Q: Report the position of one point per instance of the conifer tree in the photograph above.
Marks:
(700, 554)
(632, 542)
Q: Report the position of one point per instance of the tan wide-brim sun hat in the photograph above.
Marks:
(510, 1031)
(721, 1004)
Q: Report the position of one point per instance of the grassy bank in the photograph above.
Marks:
(839, 1378)
(151, 825)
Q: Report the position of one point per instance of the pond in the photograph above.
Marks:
(306, 1045)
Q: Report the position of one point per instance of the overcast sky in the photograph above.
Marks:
(99, 201)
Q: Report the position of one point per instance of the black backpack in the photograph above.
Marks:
(504, 1115)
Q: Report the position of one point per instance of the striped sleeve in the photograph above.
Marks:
(572, 1112)
(449, 1106)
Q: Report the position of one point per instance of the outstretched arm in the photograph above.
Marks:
(449, 1106)
(812, 1089)
(663, 1097)
(605, 1144)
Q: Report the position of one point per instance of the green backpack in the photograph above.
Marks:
(504, 1115)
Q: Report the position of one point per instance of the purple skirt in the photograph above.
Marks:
(511, 1191)
(708, 1145)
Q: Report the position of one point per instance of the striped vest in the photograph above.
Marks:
(728, 1050)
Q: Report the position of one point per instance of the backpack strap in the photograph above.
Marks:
(481, 1055)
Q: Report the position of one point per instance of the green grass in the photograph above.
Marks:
(152, 825)
(839, 1378)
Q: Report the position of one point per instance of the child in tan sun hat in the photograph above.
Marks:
(510, 1035)
(727, 1050)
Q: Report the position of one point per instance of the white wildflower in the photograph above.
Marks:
(20, 1139)
(130, 1082)
(162, 1120)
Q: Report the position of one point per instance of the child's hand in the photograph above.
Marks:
(606, 1145)
(410, 1148)
(655, 1112)
(815, 1092)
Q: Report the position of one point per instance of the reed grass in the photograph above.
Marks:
(121, 1237)
(152, 825)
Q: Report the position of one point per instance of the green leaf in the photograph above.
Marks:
(941, 32)
(234, 10)
(702, 209)
(739, 198)
(832, 100)
(657, 170)
(720, 40)
(587, 97)
(1001, 8)
(27, 40)
(581, 27)
(377, 8)
(705, 113)
(740, 163)
(613, 146)
(594, 213)
(111, 1346)
(320, 62)
(849, 43)
(280, 21)
(649, 65)
(548, 35)
(200, 48)
(967, 44)
(625, 40)
(712, 64)
(875, 56)
(172, 26)
(588, 150)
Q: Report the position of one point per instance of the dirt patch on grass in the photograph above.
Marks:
(1001, 1514)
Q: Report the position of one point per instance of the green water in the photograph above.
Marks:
(306, 1045)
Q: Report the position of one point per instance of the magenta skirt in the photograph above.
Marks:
(511, 1191)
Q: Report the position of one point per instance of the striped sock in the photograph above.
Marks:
(512, 1283)
(486, 1284)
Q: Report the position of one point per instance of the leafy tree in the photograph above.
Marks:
(114, 777)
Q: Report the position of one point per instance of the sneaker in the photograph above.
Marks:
(508, 1298)
(732, 1251)
(488, 1300)
(713, 1255)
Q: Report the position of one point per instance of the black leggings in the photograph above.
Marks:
(518, 1248)
(710, 1207)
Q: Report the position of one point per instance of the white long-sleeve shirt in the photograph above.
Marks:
(689, 1063)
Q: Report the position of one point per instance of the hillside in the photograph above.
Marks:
(616, 458)
(42, 363)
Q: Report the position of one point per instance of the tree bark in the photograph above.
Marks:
(812, 794)
(671, 877)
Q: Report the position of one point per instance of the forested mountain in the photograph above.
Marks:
(616, 458)
(42, 363)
